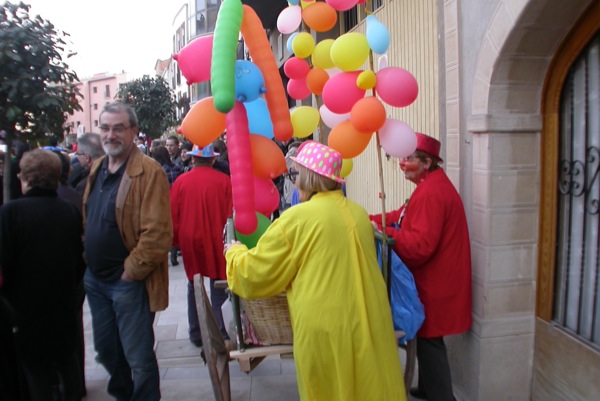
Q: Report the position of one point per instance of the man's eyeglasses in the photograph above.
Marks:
(80, 154)
(291, 175)
(117, 129)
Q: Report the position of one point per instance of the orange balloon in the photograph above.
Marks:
(203, 123)
(260, 50)
(368, 115)
(347, 140)
(316, 79)
(320, 16)
(268, 161)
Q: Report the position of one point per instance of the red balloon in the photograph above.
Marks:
(396, 86)
(240, 166)
(297, 89)
(296, 68)
(340, 92)
(268, 161)
(266, 196)
(194, 59)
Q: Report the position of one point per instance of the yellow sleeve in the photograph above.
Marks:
(265, 270)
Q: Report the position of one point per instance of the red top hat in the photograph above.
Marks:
(429, 145)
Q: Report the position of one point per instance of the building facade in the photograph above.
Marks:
(97, 91)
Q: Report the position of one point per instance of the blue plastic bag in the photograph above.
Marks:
(408, 312)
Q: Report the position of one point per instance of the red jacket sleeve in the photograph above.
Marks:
(390, 217)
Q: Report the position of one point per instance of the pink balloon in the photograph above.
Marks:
(297, 89)
(194, 59)
(342, 5)
(331, 119)
(266, 196)
(396, 86)
(340, 92)
(240, 166)
(289, 19)
(397, 138)
(296, 68)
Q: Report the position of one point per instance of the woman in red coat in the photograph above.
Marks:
(433, 241)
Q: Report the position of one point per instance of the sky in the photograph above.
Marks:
(112, 35)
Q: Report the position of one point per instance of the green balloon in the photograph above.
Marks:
(251, 240)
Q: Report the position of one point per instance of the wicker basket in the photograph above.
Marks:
(270, 318)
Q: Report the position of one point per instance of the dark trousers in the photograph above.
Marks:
(218, 296)
(434, 370)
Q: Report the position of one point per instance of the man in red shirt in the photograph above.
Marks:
(433, 242)
(200, 205)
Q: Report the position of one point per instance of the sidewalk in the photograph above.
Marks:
(184, 377)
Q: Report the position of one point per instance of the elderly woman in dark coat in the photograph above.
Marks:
(41, 265)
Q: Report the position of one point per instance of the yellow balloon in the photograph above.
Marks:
(303, 45)
(347, 165)
(350, 51)
(306, 3)
(366, 80)
(321, 57)
(305, 120)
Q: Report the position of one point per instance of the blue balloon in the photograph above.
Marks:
(249, 81)
(288, 44)
(259, 118)
(294, 2)
(378, 35)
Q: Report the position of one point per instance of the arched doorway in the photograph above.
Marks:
(567, 334)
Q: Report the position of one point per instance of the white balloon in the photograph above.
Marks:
(330, 118)
(382, 62)
(289, 19)
(397, 138)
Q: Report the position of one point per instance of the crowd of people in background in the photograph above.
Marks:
(72, 166)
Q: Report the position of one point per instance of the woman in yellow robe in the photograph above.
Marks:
(321, 253)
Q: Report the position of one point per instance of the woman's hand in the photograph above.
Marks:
(227, 246)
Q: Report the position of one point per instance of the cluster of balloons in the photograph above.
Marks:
(335, 73)
(250, 102)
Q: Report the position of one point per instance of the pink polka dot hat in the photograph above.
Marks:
(321, 159)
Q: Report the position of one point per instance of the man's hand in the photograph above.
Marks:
(125, 277)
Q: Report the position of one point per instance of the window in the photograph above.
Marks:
(94, 89)
(577, 275)
(350, 19)
(375, 4)
(95, 106)
(107, 91)
(95, 123)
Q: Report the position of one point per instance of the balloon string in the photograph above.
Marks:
(384, 246)
(368, 7)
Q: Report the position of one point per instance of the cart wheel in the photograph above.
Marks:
(213, 346)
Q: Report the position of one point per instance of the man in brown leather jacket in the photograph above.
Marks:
(128, 233)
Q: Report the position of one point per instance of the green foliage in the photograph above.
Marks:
(37, 89)
(153, 101)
